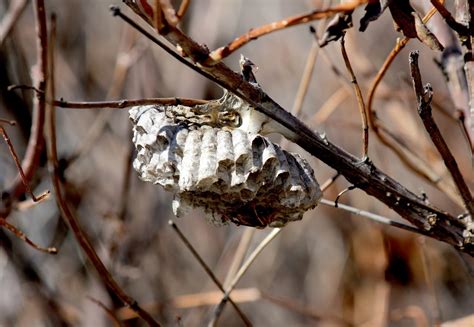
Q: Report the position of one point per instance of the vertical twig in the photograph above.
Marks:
(424, 96)
(183, 7)
(465, 15)
(239, 254)
(436, 308)
(360, 101)
(305, 79)
(64, 209)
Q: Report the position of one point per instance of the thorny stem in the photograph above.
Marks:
(374, 182)
(360, 101)
(208, 270)
(424, 96)
(63, 206)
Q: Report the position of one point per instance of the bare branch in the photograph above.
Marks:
(222, 52)
(374, 217)
(24, 180)
(424, 96)
(462, 30)
(360, 101)
(116, 104)
(183, 7)
(22, 236)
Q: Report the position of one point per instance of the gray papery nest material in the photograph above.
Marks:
(213, 156)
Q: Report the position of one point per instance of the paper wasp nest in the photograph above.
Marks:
(211, 156)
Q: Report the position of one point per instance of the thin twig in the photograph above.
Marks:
(329, 106)
(462, 30)
(22, 236)
(243, 269)
(125, 192)
(254, 33)
(158, 17)
(11, 17)
(424, 96)
(427, 270)
(329, 182)
(372, 117)
(121, 104)
(360, 101)
(239, 255)
(305, 79)
(11, 148)
(344, 191)
(373, 216)
(294, 306)
(183, 7)
(110, 313)
(208, 270)
(187, 301)
(64, 209)
(116, 104)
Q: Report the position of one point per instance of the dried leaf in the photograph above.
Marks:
(373, 11)
(336, 28)
(401, 11)
(425, 35)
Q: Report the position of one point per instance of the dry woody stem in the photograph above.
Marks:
(424, 96)
(22, 236)
(360, 101)
(257, 32)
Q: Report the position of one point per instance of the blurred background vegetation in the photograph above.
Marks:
(331, 268)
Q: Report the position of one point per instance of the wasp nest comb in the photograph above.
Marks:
(211, 156)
